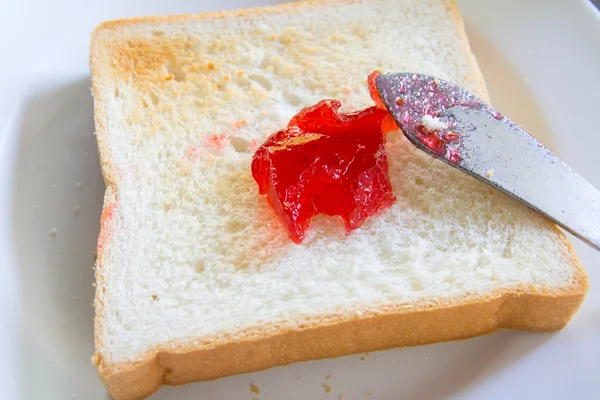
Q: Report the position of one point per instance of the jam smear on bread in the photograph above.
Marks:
(325, 162)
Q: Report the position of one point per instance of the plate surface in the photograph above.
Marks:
(541, 60)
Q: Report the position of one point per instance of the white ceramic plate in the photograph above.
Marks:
(541, 60)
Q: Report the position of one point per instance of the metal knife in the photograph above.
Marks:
(457, 127)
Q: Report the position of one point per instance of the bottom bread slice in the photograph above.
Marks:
(195, 276)
(280, 344)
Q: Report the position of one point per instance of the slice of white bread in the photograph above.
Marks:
(196, 277)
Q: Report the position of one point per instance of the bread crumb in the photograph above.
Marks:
(75, 298)
(490, 173)
(74, 396)
(328, 377)
(368, 394)
(95, 254)
(326, 387)
(54, 187)
(37, 206)
(300, 377)
(53, 231)
(341, 397)
(76, 210)
(254, 388)
(78, 185)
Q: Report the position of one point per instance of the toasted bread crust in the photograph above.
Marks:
(175, 364)
(258, 348)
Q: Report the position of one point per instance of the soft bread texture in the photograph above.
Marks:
(196, 277)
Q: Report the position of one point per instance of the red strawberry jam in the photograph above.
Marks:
(325, 162)
(388, 124)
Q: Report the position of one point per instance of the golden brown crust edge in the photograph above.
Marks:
(515, 310)
(524, 309)
(110, 195)
(293, 5)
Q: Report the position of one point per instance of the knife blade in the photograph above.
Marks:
(455, 126)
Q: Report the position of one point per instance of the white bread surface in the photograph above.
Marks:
(196, 276)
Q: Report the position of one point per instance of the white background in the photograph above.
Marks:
(541, 60)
